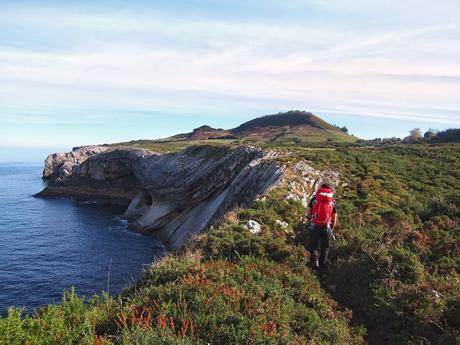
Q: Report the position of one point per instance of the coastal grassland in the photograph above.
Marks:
(171, 145)
(285, 141)
(396, 260)
(292, 128)
(228, 287)
(393, 272)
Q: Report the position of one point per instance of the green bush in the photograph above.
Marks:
(71, 322)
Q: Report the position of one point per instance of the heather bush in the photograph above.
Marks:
(397, 263)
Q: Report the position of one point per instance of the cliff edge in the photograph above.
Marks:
(171, 196)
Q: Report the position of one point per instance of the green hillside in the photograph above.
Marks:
(290, 118)
(397, 256)
(291, 128)
(393, 279)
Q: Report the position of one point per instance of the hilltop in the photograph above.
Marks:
(283, 129)
(204, 132)
(296, 126)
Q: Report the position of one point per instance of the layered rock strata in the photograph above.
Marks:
(171, 196)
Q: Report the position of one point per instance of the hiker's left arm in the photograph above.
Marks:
(307, 215)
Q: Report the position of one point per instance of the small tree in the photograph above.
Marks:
(430, 134)
(414, 134)
(343, 129)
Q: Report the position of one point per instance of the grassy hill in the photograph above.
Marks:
(290, 128)
(282, 130)
(393, 278)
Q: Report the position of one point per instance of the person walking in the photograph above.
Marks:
(322, 215)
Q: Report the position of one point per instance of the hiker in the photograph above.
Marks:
(322, 215)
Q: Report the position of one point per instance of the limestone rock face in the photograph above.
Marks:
(301, 181)
(60, 165)
(96, 173)
(171, 196)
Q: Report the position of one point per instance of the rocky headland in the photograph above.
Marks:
(176, 195)
(170, 196)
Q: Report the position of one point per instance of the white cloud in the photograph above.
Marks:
(78, 61)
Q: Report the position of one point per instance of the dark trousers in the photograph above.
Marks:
(318, 237)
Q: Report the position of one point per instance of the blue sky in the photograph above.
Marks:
(75, 73)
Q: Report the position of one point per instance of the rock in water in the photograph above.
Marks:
(171, 196)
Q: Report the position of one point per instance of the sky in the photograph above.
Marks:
(86, 72)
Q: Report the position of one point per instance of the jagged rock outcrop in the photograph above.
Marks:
(97, 173)
(172, 196)
(302, 180)
(59, 165)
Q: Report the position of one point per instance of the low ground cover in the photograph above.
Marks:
(393, 276)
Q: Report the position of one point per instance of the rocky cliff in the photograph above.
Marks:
(59, 165)
(172, 196)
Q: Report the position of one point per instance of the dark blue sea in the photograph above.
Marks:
(49, 245)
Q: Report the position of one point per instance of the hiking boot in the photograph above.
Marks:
(314, 265)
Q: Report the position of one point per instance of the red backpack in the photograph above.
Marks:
(321, 213)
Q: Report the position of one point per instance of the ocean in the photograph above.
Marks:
(50, 245)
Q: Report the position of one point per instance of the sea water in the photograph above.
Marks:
(50, 245)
